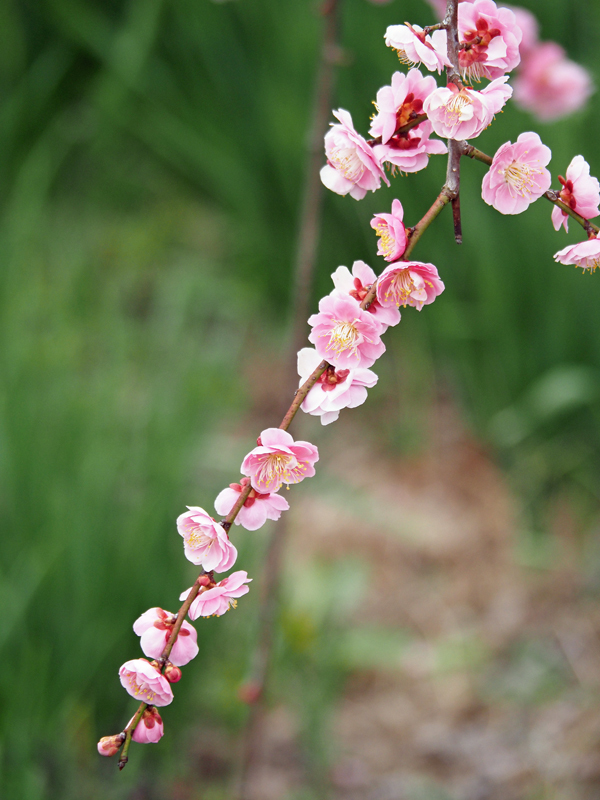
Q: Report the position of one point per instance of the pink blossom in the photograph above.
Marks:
(492, 36)
(279, 459)
(335, 389)
(155, 626)
(400, 103)
(528, 24)
(344, 334)
(580, 192)
(464, 113)
(205, 542)
(352, 166)
(517, 175)
(414, 47)
(390, 228)
(357, 285)
(219, 599)
(409, 283)
(150, 728)
(257, 508)
(410, 151)
(583, 254)
(110, 745)
(145, 683)
(549, 85)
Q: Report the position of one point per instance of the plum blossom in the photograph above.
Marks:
(110, 745)
(410, 151)
(400, 103)
(491, 37)
(335, 389)
(414, 47)
(145, 683)
(357, 284)
(550, 85)
(257, 508)
(391, 231)
(352, 166)
(205, 542)
(528, 24)
(583, 254)
(464, 113)
(409, 283)
(517, 175)
(150, 728)
(278, 459)
(155, 626)
(220, 598)
(580, 192)
(344, 334)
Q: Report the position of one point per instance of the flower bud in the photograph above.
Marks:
(109, 745)
(172, 673)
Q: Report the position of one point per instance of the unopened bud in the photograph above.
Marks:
(172, 673)
(110, 745)
(205, 580)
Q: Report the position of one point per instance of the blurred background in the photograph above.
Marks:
(437, 635)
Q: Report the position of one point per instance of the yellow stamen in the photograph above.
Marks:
(344, 336)
(521, 177)
(388, 242)
(346, 160)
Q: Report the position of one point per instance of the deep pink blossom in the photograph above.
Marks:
(517, 175)
(492, 38)
(205, 542)
(550, 85)
(155, 626)
(257, 508)
(410, 151)
(145, 683)
(335, 389)
(583, 254)
(279, 459)
(352, 166)
(150, 728)
(400, 103)
(344, 334)
(464, 113)
(357, 284)
(219, 599)
(391, 231)
(580, 192)
(409, 283)
(414, 47)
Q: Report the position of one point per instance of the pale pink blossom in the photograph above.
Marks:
(205, 542)
(145, 683)
(279, 459)
(517, 175)
(414, 47)
(583, 254)
(150, 728)
(464, 113)
(528, 24)
(344, 334)
(352, 166)
(410, 151)
(391, 231)
(219, 599)
(492, 38)
(409, 283)
(581, 192)
(550, 85)
(257, 508)
(335, 389)
(357, 284)
(154, 628)
(400, 103)
(110, 745)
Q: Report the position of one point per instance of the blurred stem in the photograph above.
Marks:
(441, 200)
(129, 733)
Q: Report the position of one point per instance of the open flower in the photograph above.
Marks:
(279, 459)
(219, 599)
(414, 47)
(400, 103)
(580, 192)
(352, 166)
(491, 37)
(145, 683)
(583, 254)
(150, 728)
(391, 231)
(464, 113)
(409, 283)
(517, 175)
(205, 542)
(155, 626)
(410, 151)
(344, 334)
(357, 284)
(335, 389)
(257, 508)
